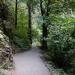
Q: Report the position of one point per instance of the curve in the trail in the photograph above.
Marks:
(30, 63)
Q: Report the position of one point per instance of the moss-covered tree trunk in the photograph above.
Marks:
(45, 14)
(29, 24)
(16, 14)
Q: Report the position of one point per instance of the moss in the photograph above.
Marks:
(6, 59)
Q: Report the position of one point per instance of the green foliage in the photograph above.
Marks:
(60, 24)
(61, 44)
(21, 32)
(21, 42)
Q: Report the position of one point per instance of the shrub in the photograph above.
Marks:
(21, 42)
(62, 50)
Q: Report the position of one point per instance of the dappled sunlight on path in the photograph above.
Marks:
(30, 63)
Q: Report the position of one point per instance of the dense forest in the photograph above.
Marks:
(48, 25)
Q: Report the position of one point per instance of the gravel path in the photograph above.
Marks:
(30, 63)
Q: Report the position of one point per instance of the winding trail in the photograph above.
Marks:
(30, 63)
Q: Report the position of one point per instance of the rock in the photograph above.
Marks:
(6, 58)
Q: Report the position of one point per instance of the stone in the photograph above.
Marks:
(6, 56)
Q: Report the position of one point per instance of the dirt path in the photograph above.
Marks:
(30, 63)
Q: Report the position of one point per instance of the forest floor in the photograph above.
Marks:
(30, 63)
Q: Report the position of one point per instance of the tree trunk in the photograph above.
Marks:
(16, 14)
(29, 24)
(44, 35)
(44, 28)
(3, 15)
(44, 13)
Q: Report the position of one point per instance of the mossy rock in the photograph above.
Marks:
(4, 41)
(6, 58)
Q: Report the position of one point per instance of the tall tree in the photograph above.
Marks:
(45, 14)
(3, 14)
(29, 23)
(16, 13)
(30, 4)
